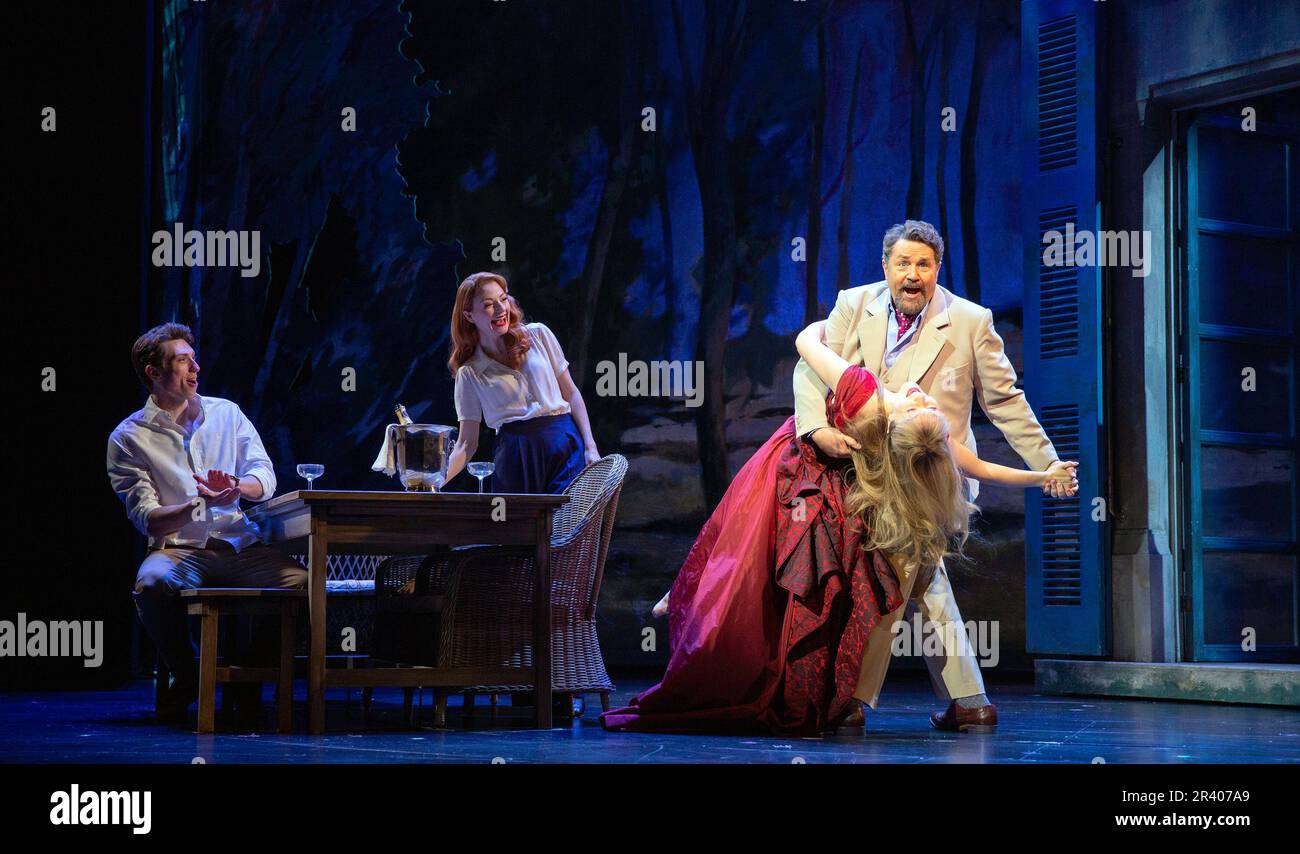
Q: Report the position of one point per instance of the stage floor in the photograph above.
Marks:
(117, 727)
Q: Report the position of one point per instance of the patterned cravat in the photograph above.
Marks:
(904, 322)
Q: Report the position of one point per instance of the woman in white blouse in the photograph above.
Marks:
(516, 379)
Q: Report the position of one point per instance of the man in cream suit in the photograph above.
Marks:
(908, 331)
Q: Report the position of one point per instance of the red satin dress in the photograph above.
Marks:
(769, 616)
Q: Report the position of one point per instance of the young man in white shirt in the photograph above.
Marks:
(180, 465)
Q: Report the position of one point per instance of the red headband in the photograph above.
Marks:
(855, 388)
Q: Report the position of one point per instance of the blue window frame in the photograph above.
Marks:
(1241, 247)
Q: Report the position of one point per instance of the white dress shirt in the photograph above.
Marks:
(488, 391)
(152, 461)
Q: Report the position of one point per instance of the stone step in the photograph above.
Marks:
(1213, 682)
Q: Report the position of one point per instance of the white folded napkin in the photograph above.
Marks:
(386, 462)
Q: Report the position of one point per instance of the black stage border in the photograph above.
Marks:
(651, 805)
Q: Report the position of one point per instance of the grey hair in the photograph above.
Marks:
(917, 230)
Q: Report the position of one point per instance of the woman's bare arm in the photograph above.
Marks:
(825, 362)
(463, 451)
(578, 409)
(973, 466)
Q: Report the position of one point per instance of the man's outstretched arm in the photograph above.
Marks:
(1003, 403)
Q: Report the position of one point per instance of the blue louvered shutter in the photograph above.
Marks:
(1066, 551)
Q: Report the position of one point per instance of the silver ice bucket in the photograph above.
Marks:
(422, 452)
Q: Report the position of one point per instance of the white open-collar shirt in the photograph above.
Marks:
(488, 391)
(152, 461)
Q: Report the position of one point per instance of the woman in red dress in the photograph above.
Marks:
(770, 612)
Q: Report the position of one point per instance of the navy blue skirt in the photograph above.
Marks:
(540, 455)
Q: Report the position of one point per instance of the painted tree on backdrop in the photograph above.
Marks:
(749, 92)
(515, 140)
(709, 81)
(833, 20)
(993, 24)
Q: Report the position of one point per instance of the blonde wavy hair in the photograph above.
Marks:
(907, 488)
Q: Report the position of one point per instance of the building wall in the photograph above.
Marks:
(1161, 57)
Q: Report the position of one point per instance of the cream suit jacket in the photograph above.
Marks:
(955, 356)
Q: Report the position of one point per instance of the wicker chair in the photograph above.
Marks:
(487, 614)
(388, 601)
(350, 586)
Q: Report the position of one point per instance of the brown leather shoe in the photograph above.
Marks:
(957, 718)
(854, 723)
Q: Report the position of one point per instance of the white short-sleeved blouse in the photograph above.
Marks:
(488, 391)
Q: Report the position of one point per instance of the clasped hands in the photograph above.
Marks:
(1062, 479)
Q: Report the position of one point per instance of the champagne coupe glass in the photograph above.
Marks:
(310, 471)
(480, 471)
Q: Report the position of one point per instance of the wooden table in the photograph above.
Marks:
(391, 523)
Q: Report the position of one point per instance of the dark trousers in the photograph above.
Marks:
(165, 572)
(537, 456)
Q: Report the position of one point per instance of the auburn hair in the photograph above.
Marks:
(906, 486)
(464, 334)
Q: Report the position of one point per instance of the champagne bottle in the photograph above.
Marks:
(402, 417)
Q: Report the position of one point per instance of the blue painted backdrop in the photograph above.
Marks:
(529, 121)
